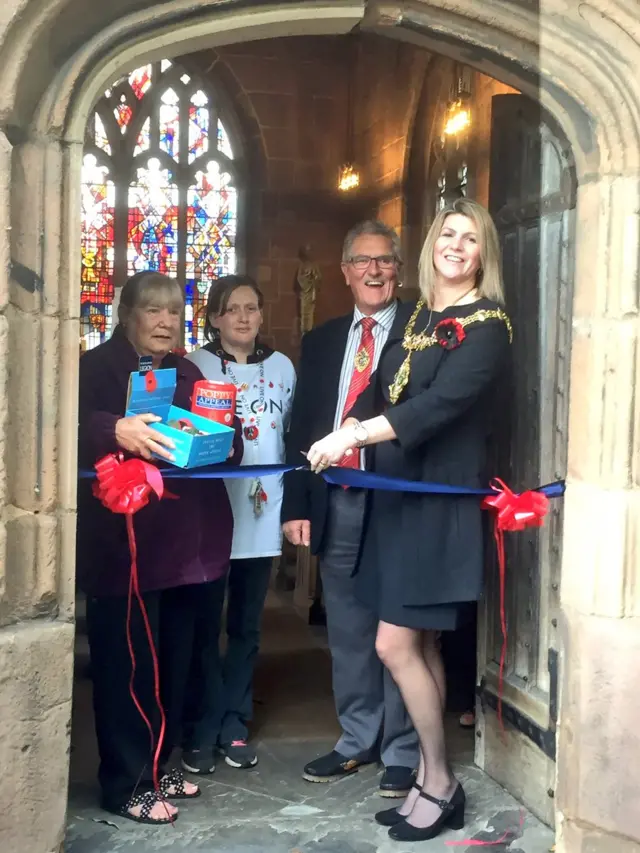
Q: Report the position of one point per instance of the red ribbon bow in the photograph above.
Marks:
(516, 512)
(125, 487)
(512, 512)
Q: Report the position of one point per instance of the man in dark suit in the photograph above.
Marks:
(336, 363)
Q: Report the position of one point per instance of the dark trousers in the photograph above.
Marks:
(220, 702)
(180, 618)
(459, 649)
(370, 709)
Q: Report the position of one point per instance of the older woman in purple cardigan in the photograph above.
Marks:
(183, 556)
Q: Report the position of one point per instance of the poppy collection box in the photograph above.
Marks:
(198, 441)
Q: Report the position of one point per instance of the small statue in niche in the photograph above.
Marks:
(308, 278)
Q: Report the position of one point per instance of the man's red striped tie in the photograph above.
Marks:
(362, 368)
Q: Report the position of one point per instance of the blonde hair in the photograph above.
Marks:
(489, 274)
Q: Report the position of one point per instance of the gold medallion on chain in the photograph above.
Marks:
(417, 342)
(362, 360)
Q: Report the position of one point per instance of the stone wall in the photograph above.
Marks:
(291, 97)
(398, 116)
(389, 80)
(55, 58)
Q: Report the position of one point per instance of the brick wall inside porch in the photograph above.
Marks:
(294, 94)
(290, 97)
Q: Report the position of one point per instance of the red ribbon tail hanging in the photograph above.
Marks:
(474, 842)
(132, 655)
(512, 512)
(134, 589)
(499, 537)
(508, 835)
(124, 487)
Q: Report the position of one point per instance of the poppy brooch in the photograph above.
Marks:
(449, 333)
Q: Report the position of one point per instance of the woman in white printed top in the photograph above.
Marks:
(265, 381)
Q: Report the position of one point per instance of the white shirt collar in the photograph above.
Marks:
(384, 317)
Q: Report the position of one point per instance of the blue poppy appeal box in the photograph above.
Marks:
(152, 393)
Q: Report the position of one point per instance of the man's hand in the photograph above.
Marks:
(135, 435)
(298, 532)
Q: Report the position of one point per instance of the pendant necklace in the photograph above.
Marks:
(456, 302)
(416, 342)
(251, 431)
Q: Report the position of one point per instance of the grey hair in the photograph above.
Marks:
(142, 288)
(375, 228)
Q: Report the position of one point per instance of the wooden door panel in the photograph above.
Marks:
(532, 199)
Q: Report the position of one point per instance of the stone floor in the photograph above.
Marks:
(271, 808)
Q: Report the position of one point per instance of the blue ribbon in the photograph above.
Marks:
(336, 476)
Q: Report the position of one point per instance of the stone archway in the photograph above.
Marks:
(579, 61)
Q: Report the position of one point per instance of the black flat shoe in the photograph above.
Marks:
(390, 817)
(452, 817)
(396, 781)
(330, 767)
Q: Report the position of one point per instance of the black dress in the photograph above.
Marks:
(421, 563)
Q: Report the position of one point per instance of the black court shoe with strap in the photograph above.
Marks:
(452, 817)
(390, 817)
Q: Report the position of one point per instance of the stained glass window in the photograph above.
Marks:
(140, 80)
(98, 204)
(157, 194)
(211, 232)
(198, 126)
(170, 123)
(153, 221)
(223, 141)
(101, 138)
(123, 113)
(144, 138)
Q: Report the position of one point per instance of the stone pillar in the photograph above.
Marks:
(36, 633)
(5, 234)
(599, 736)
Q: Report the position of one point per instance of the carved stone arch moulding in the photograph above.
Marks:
(578, 61)
(586, 55)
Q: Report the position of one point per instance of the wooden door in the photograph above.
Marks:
(532, 199)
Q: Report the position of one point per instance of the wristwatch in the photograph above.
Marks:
(360, 433)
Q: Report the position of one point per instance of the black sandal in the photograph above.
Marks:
(147, 800)
(175, 779)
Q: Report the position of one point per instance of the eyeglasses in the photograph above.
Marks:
(361, 262)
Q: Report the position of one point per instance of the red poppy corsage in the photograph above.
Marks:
(449, 333)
